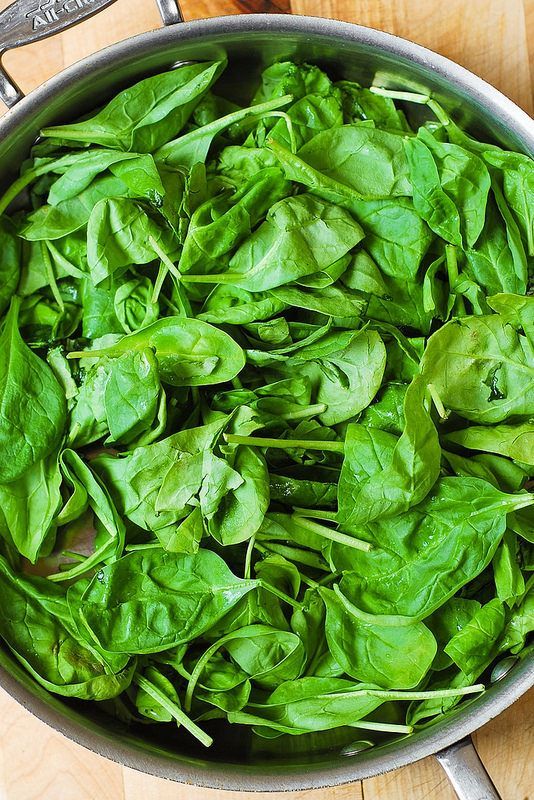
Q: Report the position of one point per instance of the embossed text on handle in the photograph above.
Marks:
(26, 21)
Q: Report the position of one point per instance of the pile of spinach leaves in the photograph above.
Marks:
(266, 403)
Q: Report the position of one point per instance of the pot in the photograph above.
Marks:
(250, 42)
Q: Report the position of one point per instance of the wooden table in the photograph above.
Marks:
(490, 37)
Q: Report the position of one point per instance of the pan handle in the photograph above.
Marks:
(27, 21)
(466, 772)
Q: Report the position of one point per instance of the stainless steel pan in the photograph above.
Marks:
(251, 41)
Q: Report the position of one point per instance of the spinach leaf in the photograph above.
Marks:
(56, 222)
(284, 336)
(134, 306)
(235, 306)
(518, 183)
(301, 236)
(387, 412)
(488, 375)
(307, 492)
(451, 187)
(285, 77)
(28, 507)
(181, 596)
(88, 491)
(520, 624)
(238, 514)
(192, 147)
(382, 476)
(120, 233)
(189, 352)
(516, 310)
(221, 223)
(368, 160)
(331, 300)
(509, 580)
(345, 371)
(446, 622)
(147, 114)
(514, 441)
(99, 317)
(131, 395)
(138, 172)
(431, 202)
(31, 400)
(361, 103)
(10, 247)
(472, 647)
(88, 421)
(391, 651)
(453, 533)
(155, 484)
(36, 625)
(268, 655)
(396, 237)
(493, 262)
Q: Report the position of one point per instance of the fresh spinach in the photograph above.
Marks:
(266, 408)
(180, 595)
(32, 403)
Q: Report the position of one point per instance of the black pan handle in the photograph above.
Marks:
(466, 772)
(27, 21)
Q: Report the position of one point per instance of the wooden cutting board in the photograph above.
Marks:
(491, 38)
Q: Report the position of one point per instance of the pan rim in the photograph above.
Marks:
(484, 708)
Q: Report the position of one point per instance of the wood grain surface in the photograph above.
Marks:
(493, 38)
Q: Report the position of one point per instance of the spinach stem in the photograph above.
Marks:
(414, 97)
(305, 412)
(90, 353)
(324, 581)
(280, 594)
(439, 112)
(315, 513)
(436, 399)
(451, 261)
(248, 558)
(309, 581)
(289, 125)
(49, 271)
(523, 501)
(218, 125)
(386, 727)
(333, 535)
(75, 556)
(217, 277)
(285, 444)
(164, 258)
(296, 554)
(199, 668)
(173, 710)
(386, 620)
(394, 94)
(132, 548)
(452, 265)
(21, 183)
(401, 694)
(181, 670)
(160, 280)
(407, 695)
